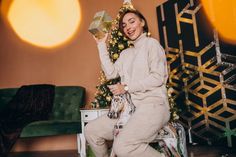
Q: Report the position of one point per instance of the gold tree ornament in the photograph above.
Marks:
(115, 56)
(108, 98)
(128, 4)
(121, 46)
(120, 34)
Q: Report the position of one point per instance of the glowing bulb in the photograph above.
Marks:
(44, 23)
(222, 14)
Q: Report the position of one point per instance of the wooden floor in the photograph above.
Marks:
(193, 151)
(210, 151)
(70, 153)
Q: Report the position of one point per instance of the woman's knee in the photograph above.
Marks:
(121, 148)
(88, 130)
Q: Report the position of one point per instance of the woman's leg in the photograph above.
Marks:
(97, 131)
(141, 129)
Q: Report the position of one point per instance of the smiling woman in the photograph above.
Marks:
(43, 23)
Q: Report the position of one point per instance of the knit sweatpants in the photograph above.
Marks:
(133, 140)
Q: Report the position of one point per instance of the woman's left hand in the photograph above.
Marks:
(117, 89)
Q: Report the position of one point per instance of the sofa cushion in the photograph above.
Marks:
(47, 128)
(67, 103)
(6, 95)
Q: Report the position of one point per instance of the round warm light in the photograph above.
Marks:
(222, 14)
(44, 23)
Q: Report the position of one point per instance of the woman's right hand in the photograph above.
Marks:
(101, 39)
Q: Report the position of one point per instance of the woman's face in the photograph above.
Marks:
(132, 26)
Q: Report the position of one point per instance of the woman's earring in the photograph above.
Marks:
(148, 34)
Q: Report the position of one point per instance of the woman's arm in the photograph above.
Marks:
(110, 69)
(158, 73)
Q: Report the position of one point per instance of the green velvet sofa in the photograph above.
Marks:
(65, 115)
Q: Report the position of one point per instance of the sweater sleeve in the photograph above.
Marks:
(158, 73)
(110, 69)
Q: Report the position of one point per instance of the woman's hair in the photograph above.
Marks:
(137, 13)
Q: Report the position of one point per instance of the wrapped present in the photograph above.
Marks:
(101, 24)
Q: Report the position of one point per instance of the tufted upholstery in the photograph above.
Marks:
(6, 95)
(65, 116)
(67, 102)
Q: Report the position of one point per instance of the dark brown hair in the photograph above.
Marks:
(137, 13)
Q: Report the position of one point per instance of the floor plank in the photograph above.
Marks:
(193, 151)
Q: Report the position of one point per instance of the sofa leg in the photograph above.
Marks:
(81, 144)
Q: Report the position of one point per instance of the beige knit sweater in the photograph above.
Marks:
(142, 67)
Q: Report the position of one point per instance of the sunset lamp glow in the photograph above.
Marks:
(222, 14)
(44, 23)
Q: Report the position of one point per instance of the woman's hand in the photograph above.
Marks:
(104, 39)
(117, 89)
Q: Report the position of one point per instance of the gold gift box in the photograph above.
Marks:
(101, 24)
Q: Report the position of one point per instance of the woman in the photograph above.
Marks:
(143, 72)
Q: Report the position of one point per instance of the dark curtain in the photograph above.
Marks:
(30, 103)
